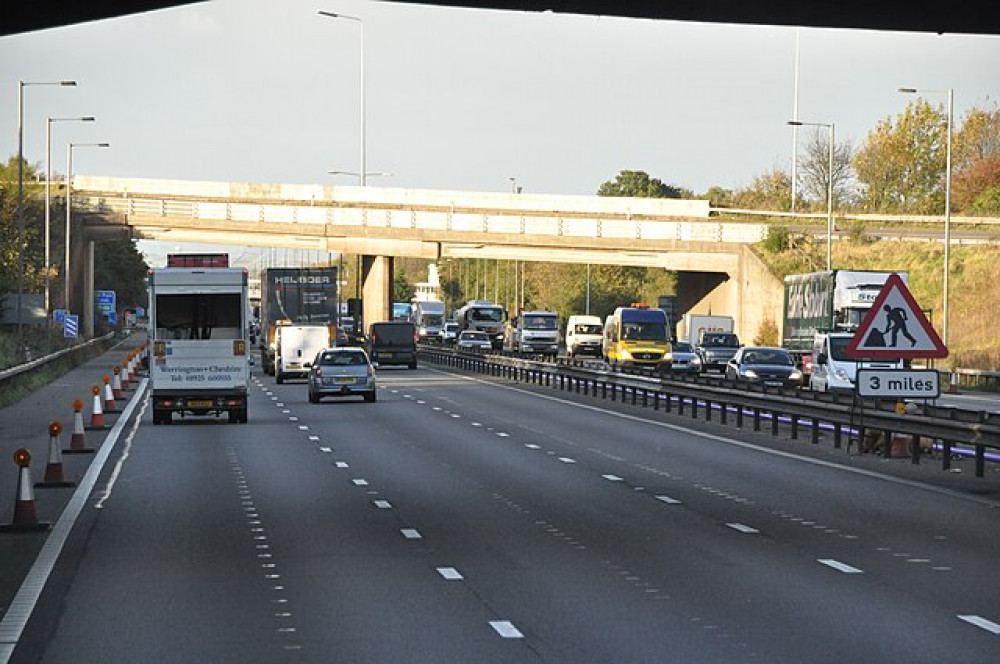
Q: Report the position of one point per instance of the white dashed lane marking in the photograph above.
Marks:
(506, 629)
(411, 533)
(839, 566)
(668, 500)
(383, 504)
(739, 527)
(450, 573)
(982, 623)
(612, 478)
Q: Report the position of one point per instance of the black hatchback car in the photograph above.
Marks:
(762, 365)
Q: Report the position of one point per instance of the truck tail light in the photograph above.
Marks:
(239, 347)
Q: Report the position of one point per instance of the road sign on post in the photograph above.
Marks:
(105, 301)
(71, 326)
(899, 383)
(895, 327)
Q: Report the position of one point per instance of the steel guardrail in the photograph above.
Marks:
(786, 410)
(14, 371)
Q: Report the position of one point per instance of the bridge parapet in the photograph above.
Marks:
(627, 223)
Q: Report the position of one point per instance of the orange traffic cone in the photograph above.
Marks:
(132, 361)
(116, 383)
(109, 396)
(54, 468)
(25, 518)
(78, 439)
(123, 375)
(97, 412)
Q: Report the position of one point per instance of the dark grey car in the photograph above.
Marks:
(341, 372)
(762, 365)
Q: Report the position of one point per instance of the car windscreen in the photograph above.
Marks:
(768, 357)
(475, 336)
(342, 359)
(683, 347)
(713, 340)
(644, 331)
(392, 334)
(493, 315)
(838, 350)
(540, 323)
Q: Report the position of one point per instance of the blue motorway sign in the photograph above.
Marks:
(58, 315)
(112, 317)
(105, 301)
(71, 326)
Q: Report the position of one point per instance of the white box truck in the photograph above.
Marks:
(199, 327)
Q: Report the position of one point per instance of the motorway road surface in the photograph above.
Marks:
(463, 519)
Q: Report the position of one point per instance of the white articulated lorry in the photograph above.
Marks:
(199, 325)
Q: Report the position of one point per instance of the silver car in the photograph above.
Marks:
(341, 372)
(685, 359)
(477, 342)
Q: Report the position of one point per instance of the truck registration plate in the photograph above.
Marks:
(200, 403)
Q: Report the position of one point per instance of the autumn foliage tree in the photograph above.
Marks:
(901, 166)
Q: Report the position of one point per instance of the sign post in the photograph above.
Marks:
(896, 328)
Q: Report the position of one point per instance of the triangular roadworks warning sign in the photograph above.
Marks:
(895, 327)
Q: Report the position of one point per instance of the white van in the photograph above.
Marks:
(584, 335)
(833, 370)
(295, 346)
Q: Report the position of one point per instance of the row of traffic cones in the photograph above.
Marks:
(25, 517)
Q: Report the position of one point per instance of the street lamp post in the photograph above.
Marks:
(947, 205)
(69, 209)
(829, 185)
(364, 167)
(48, 197)
(20, 198)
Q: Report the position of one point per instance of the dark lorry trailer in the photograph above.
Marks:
(392, 343)
(294, 296)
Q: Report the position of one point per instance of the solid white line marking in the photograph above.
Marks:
(21, 607)
(506, 629)
(411, 533)
(612, 478)
(450, 573)
(981, 622)
(383, 504)
(839, 566)
(567, 460)
(668, 500)
(743, 528)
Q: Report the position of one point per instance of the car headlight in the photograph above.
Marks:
(795, 375)
(751, 374)
(841, 375)
(696, 361)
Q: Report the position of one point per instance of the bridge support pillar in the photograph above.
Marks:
(377, 278)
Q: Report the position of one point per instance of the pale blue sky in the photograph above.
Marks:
(268, 91)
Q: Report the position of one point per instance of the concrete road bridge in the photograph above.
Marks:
(717, 273)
